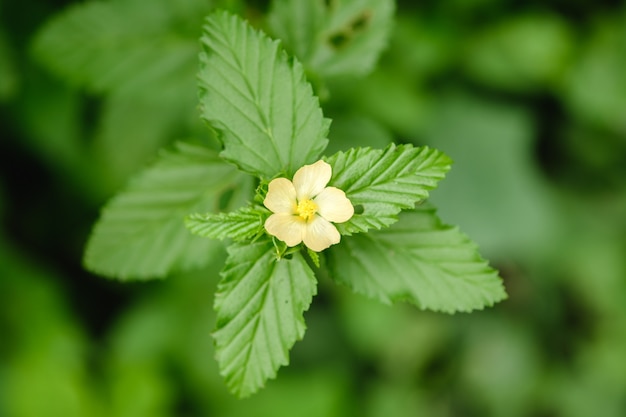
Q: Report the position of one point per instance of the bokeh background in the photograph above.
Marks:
(528, 98)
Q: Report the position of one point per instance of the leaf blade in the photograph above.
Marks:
(384, 182)
(121, 45)
(238, 225)
(342, 38)
(141, 234)
(266, 112)
(419, 260)
(260, 303)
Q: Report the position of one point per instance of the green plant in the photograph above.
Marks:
(526, 100)
(270, 124)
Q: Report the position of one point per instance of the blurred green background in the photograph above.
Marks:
(528, 98)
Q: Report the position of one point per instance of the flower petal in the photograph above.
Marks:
(320, 234)
(286, 227)
(281, 196)
(333, 205)
(310, 180)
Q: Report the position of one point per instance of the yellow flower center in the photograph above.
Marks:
(306, 209)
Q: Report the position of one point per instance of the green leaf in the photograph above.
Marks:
(141, 232)
(343, 37)
(269, 120)
(384, 182)
(143, 55)
(297, 24)
(133, 45)
(238, 225)
(419, 260)
(260, 304)
(315, 257)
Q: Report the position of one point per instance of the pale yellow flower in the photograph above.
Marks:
(304, 209)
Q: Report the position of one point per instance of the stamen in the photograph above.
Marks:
(306, 209)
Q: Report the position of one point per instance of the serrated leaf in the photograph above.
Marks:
(259, 100)
(141, 231)
(419, 260)
(237, 225)
(384, 182)
(315, 257)
(124, 45)
(260, 304)
(343, 37)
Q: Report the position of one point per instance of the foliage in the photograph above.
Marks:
(143, 55)
(140, 233)
(267, 117)
(383, 182)
(269, 123)
(525, 99)
(259, 303)
(333, 38)
(418, 260)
